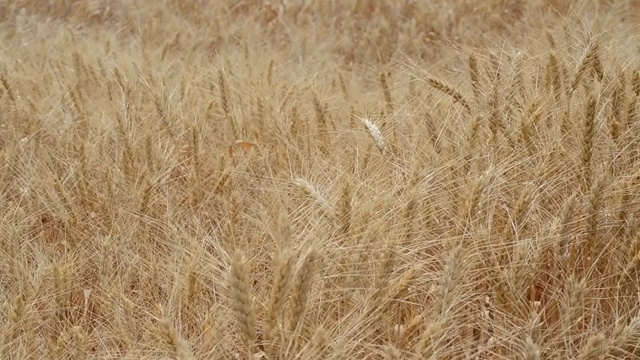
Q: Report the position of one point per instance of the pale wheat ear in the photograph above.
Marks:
(376, 134)
(316, 195)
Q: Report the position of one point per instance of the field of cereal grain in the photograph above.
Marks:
(294, 179)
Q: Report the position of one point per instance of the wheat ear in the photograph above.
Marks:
(241, 299)
(376, 135)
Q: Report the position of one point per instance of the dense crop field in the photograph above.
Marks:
(358, 179)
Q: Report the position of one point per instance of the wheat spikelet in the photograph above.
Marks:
(531, 350)
(520, 209)
(240, 296)
(625, 338)
(527, 124)
(375, 133)
(634, 247)
(635, 82)
(300, 289)
(279, 288)
(319, 198)
(449, 90)
(178, 348)
(586, 62)
(573, 307)
(430, 339)
(319, 344)
(516, 91)
(400, 286)
(224, 96)
(409, 214)
(474, 75)
(617, 122)
(81, 340)
(345, 213)
(382, 281)
(632, 111)
(588, 136)
(17, 314)
(473, 131)
(472, 199)
(493, 68)
(358, 258)
(343, 87)
(563, 225)
(323, 124)
(630, 270)
(449, 281)
(390, 352)
(495, 119)
(386, 91)
(554, 80)
(596, 346)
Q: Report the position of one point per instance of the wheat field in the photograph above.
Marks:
(358, 179)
